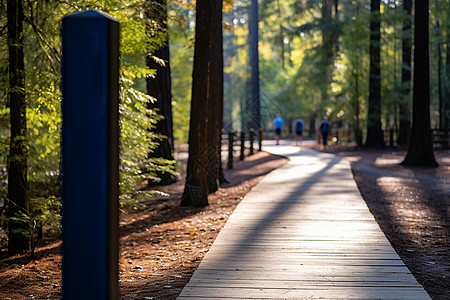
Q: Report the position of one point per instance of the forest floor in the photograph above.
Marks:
(162, 243)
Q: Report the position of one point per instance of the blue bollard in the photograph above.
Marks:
(90, 156)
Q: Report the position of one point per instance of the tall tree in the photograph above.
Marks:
(206, 104)
(18, 198)
(281, 34)
(215, 107)
(374, 133)
(445, 106)
(328, 50)
(420, 150)
(159, 87)
(327, 55)
(439, 68)
(253, 105)
(404, 106)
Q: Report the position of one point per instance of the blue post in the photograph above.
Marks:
(90, 156)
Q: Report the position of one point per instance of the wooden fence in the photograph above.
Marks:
(237, 139)
(441, 138)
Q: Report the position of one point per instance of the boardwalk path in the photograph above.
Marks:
(304, 232)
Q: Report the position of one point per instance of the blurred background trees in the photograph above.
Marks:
(314, 60)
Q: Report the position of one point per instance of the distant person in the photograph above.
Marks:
(298, 129)
(325, 129)
(278, 123)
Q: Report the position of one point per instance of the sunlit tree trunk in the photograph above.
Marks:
(18, 201)
(420, 150)
(374, 131)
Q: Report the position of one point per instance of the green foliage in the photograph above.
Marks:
(43, 212)
(43, 95)
(136, 122)
(180, 24)
(292, 36)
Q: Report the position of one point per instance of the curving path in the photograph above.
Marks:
(304, 232)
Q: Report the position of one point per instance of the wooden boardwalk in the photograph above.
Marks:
(304, 232)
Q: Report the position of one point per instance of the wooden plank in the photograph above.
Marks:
(310, 270)
(326, 282)
(291, 255)
(277, 262)
(231, 276)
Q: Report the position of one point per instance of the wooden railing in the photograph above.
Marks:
(238, 139)
(441, 138)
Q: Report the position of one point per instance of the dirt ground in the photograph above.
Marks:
(162, 244)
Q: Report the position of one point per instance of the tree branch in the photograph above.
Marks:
(42, 42)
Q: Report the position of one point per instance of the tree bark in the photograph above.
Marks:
(328, 41)
(207, 93)
(18, 198)
(160, 88)
(445, 123)
(356, 128)
(253, 105)
(405, 101)
(420, 150)
(374, 132)
(215, 109)
(281, 37)
(439, 71)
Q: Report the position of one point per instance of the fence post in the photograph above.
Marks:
(230, 149)
(241, 156)
(90, 156)
(251, 137)
(260, 138)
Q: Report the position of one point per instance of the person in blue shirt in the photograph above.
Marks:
(298, 129)
(325, 128)
(278, 123)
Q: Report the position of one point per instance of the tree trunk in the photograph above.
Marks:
(281, 38)
(336, 25)
(420, 150)
(215, 109)
(356, 128)
(404, 107)
(160, 88)
(446, 100)
(312, 124)
(17, 170)
(227, 122)
(328, 41)
(254, 118)
(374, 131)
(229, 43)
(207, 90)
(439, 71)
